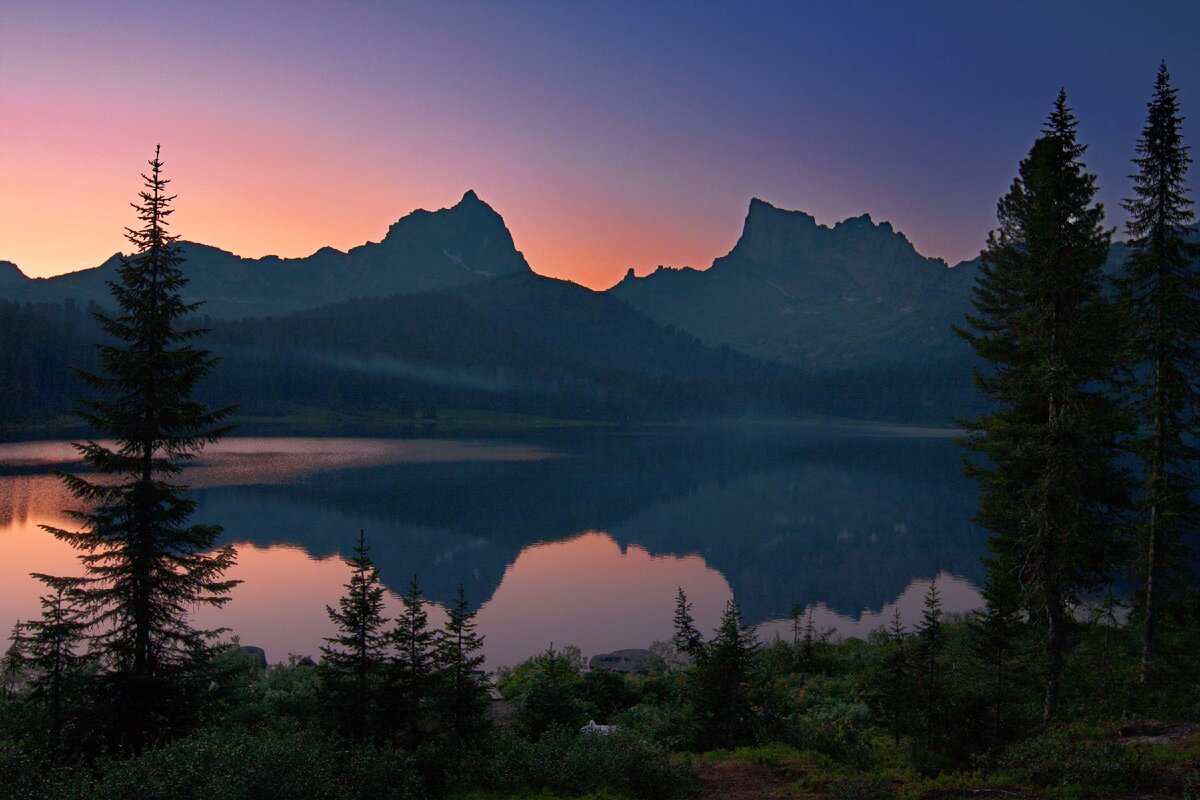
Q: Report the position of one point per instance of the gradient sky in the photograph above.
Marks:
(608, 135)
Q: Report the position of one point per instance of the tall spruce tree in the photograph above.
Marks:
(687, 638)
(413, 664)
(895, 679)
(1161, 288)
(995, 632)
(1049, 338)
(931, 645)
(147, 568)
(50, 650)
(724, 680)
(462, 696)
(353, 660)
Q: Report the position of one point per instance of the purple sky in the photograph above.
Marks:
(609, 135)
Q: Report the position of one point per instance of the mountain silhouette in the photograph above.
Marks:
(854, 295)
(424, 251)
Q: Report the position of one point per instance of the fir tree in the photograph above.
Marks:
(1161, 289)
(147, 569)
(353, 660)
(12, 666)
(931, 644)
(895, 677)
(462, 696)
(724, 679)
(687, 639)
(797, 625)
(50, 651)
(413, 665)
(995, 631)
(1049, 338)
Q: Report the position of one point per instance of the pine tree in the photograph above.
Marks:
(353, 660)
(687, 639)
(1161, 289)
(995, 631)
(50, 650)
(462, 695)
(931, 644)
(12, 666)
(147, 569)
(1049, 338)
(797, 625)
(895, 676)
(413, 665)
(724, 679)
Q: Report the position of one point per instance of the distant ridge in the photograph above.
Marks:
(854, 295)
(423, 251)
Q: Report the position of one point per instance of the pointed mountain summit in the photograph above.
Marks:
(857, 294)
(423, 251)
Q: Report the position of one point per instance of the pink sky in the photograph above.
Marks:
(607, 135)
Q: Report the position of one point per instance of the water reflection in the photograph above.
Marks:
(576, 539)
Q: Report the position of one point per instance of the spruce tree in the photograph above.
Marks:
(50, 651)
(413, 664)
(1161, 289)
(995, 632)
(353, 659)
(687, 638)
(724, 680)
(462, 692)
(146, 568)
(931, 644)
(1049, 338)
(12, 666)
(895, 678)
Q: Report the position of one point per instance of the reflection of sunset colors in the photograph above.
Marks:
(608, 137)
(583, 591)
(587, 592)
(958, 597)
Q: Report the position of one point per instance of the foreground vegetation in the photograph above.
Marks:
(815, 718)
(1053, 689)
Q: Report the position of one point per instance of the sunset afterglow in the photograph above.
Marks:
(608, 137)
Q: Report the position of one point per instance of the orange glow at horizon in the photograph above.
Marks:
(253, 194)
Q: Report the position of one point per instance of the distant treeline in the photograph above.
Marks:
(421, 355)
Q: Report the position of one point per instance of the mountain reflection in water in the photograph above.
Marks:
(572, 538)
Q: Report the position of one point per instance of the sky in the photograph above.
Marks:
(608, 135)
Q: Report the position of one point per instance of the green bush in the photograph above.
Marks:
(245, 765)
(566, 762)
(1068, 757)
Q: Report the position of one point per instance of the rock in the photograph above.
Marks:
(592, 727)
(255, 654)
(627, 661)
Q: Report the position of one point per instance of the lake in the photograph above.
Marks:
(571, 538)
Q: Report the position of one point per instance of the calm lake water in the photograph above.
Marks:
(573, 538)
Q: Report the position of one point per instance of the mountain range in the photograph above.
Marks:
(424, 251)
(797, 318)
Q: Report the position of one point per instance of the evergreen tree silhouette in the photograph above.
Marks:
(995, 632)
(462, 685)
(1049, 338)
(687, 638)
(931, 645)
(49, 650)
(146, 568)
(724, 680)
(895, 677)
(353, 660)
(413, 668)
(1161, 290)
